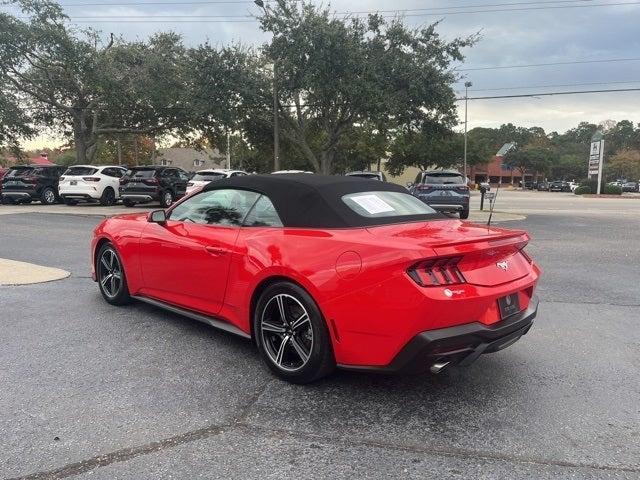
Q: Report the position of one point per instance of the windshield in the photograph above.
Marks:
(80, 171)
(443, 178)
(386, 204)
(207, 176)
(373, 176)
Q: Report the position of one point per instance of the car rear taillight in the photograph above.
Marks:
(62, 179)
(151, 181)
(462, 188)
(424, 187)
(189, 184)
(437, 271)
(124, 180)
(29, 179)
(91, 179)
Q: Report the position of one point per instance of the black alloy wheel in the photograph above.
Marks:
(111, 277)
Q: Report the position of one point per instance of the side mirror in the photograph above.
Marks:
(158, 216)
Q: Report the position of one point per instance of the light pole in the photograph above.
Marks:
(466, 100)
(276, 125)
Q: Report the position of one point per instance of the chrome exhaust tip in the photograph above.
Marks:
(438, 367)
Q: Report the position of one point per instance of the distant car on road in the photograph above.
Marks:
(542, 186)
(559, 186)
(443, 190)
(202, 177)
(370, 175)
(153, 183)
(88, 183)
(26, 183)
(630, 187)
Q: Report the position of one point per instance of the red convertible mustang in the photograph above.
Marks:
(325, 271)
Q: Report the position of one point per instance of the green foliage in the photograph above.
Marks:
(582, 189)
(591, 187)
(611, 190)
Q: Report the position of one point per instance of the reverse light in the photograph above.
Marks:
(437, 271)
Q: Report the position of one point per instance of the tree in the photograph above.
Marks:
(624, 164)
(76, 84)
(336, 73)
(14, 123)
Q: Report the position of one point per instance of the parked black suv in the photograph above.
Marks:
(153, 184)
(26, 183)
(443, 190)
(559, 186)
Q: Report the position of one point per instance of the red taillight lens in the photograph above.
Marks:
(424, 187)
(463, 188)
(437, 271)
(30, 179)
(62, 179)
(151, 181)
(189, 184)
(91, 179)
(123, 180)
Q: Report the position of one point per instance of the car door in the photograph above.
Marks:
(181, 181)
(186, 261)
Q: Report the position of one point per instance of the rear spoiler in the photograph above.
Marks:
(518, 240)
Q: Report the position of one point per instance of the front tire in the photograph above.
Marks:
(166, 199)
(291, 334)
(112, 280)
(48, 196)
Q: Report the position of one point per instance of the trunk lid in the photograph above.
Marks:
(489, 256)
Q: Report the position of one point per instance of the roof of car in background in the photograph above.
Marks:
(315, 201)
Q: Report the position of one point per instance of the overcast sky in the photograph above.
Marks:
(587, 31)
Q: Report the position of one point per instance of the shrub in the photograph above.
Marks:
(581, 190)
(612, 190)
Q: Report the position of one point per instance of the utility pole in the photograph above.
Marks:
(228, 151)
(276, 125)
(466, 101)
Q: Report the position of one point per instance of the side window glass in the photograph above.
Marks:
(227, 207)
(108, 172)
(418, 179)
(263, 214)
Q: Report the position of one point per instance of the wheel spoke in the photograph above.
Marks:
(106, 279)
(113, 284)
(112, 259)
(303, 319)
(300, 350)
(104, 262)
(280, 354)
(270, 327)
(283, 315)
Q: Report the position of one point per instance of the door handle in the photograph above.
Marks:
(217, 251)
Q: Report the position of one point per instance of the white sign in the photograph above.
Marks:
(595, 157)
(373, 204)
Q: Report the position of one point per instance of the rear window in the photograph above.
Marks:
(386, 204)
(80, 171)
(443, 178)
(21, 171)
(208, 176)
(147, 173)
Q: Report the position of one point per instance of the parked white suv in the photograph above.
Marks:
(91, 183)
(202, 177)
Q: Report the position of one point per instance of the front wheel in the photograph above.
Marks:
(48, 196)
(166, 199)
(108, 197)
(291, 334)
(112, 280)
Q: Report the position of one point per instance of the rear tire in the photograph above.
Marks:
(112, 280)
(108, 197)
(297, 349)
(48, 196)
(128, 203)
(464, 214)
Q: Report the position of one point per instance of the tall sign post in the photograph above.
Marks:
(596, 157)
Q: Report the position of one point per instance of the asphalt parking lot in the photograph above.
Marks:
(95, 391)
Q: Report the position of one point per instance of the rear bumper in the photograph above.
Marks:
(139, 197)
(448, 207)
(459, 345)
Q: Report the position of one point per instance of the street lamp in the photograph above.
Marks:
(466, 99)
(276, 126)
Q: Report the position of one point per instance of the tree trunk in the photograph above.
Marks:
(326, 161)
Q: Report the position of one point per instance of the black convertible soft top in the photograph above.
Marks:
(315, 201)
